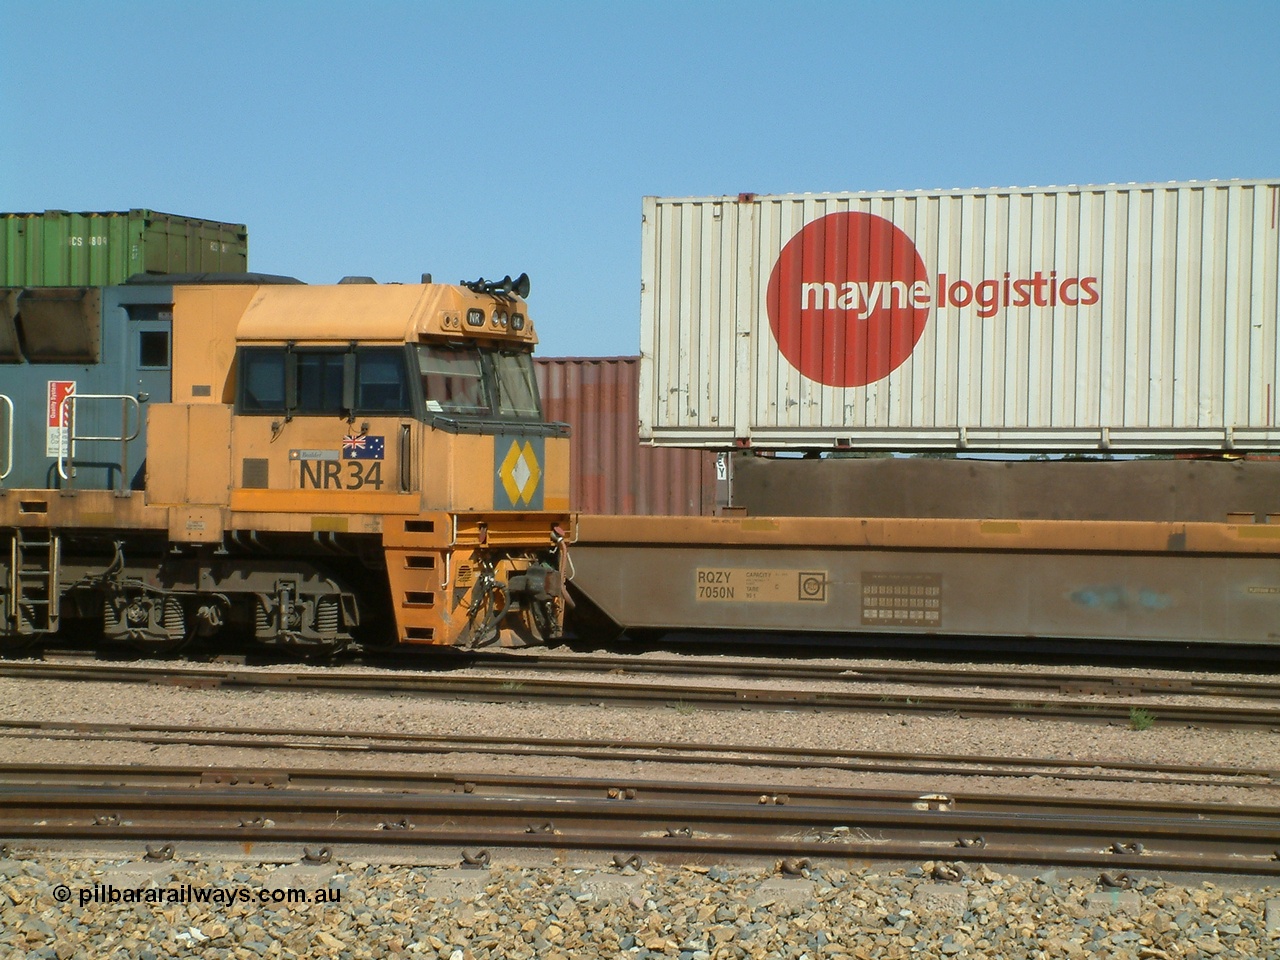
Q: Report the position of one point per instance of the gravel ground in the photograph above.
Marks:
(525, 910)
(828, 730)
(358, 910)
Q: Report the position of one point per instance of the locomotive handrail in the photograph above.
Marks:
(8, 463)
(67, 416)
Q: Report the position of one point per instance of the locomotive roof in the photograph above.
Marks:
(396, 313)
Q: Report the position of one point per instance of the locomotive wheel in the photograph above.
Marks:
(170, 633)
(157, 646)
(322, 653)
(16, 643)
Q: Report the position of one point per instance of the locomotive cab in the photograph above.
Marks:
(332, 463)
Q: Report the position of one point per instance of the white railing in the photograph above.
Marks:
(67, 443)
(8, 461)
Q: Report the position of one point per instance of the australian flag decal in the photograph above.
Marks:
(362, 448)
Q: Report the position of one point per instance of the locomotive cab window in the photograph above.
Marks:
(319, 382)
(381, 383)
(483, 383)
(323, 381)
(516, 387)
(261, 380)
(153, 348)
(453, 381)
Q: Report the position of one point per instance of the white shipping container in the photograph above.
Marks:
(1122, 317)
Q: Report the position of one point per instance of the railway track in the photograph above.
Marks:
(1118, 709)
(780, 667)
(1063, 682)
(170, 806)
(653, 752)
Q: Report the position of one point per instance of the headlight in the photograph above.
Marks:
(475, 318)
(499, 318)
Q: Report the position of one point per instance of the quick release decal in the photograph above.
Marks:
(55, 437)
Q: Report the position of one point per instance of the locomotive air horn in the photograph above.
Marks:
(502, 288)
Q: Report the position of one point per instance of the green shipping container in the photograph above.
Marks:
(61, 249)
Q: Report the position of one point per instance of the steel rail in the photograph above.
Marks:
(499, 689)
(1105, 684)
(1211, 839)
(669, 752)
(1097, 683)
(418, 783)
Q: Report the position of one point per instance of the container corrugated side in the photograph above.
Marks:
(57, 248)
(611, 472)
(1117, 317)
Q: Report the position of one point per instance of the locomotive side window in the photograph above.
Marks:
(262, 380)
(319, 382)
(517, 388)
(381, 384)
(458, 380)
(453, 380)
(153, 348)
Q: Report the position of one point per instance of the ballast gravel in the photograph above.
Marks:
(523, 909)
(54, 909)
(399, 714)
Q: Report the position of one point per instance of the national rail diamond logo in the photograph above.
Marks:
(520, 473)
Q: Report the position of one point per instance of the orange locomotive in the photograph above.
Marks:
(321, 465)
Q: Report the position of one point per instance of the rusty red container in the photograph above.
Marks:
(611, 472)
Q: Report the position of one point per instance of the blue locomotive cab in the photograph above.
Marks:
(78, 368)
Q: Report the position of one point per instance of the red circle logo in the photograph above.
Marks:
(848, 299)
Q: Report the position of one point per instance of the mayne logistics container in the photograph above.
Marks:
(610, 471)
(1121, 317)
(61, 249)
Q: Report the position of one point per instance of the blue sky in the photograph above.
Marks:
(466, 139)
